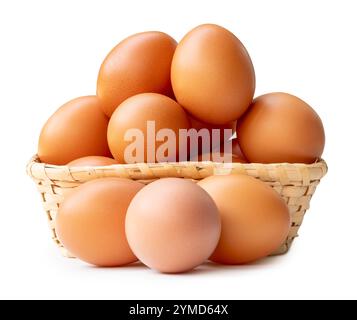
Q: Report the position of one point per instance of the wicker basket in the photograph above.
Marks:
(296, 183)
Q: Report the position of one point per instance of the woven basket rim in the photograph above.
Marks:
(293, 171)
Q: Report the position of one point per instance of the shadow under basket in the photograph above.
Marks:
(296, 183)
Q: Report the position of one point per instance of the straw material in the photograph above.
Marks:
(296, 183)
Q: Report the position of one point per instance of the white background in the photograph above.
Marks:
(50, 52)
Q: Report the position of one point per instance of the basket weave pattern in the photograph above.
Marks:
(296, 183)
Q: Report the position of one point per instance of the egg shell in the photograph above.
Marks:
(237, 151)
(228, 152)
(91, 221)
(255, 219)
(172, 225)
(75, 130)
(134, 113)
(220, 152)
(212, 75)
(198, 125)
(140, 63)
(92, 161)
(217, 156)
(280, 127)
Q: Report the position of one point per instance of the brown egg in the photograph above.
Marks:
(228, 152)
(172, 225)
(237, 151)
(212, 75)
(75, 130)
(280, 127)
(140, 63)
(134, 113)
(198, 125)
(217, 156)
(255, 219)
(92, 161)
(91, 221)
(224, 149)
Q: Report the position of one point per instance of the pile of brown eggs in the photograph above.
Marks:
(206, 81)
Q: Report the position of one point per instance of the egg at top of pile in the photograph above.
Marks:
(212, 75)
(138, 64)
